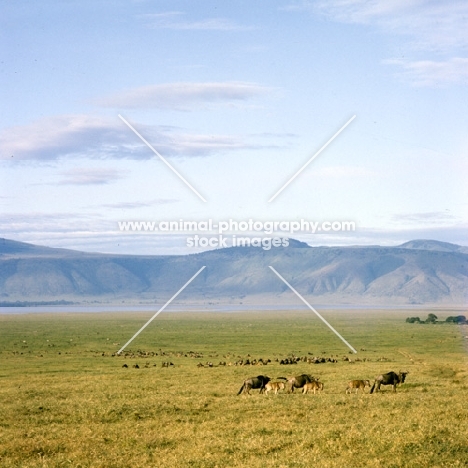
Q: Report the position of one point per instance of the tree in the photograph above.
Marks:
(431, 318)
(456, 319)
(413, 320)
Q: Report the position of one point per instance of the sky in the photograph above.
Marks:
(236, 97)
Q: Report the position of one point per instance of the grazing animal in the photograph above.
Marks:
(254, 382)
(390, 378)
(313, 386)
(274, 386)
(358, 385)
(298, 381)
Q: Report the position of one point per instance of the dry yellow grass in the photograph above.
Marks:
(81, 409)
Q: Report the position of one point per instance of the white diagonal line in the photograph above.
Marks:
(161, 158)
(161, 309)
(312, 158)
(313, 310)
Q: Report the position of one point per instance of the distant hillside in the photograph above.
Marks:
(434, 245)
(417, 272)
(9, 247)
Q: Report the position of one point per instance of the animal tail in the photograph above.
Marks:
(241, 389)
(282, 378)
(372, 388)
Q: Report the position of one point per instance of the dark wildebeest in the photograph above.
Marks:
(298, 381)
(254, 382)
(391, 378)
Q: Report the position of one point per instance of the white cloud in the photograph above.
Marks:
(176, 20)
(430, 24)
(136, 204)
(67, 135)
(431, 217)
(433, 73)
(425, 26)
(183, 96)
(15, 225)
(90, 176)
(102, 138)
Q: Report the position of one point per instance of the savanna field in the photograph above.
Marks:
(66, 401)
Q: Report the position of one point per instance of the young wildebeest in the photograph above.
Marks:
(312, 386)
(390, 378)
(298, 381)
(274, 386)
(254, 382)
(358, 385)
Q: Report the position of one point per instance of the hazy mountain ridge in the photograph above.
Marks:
(422, 244)
(417, 272)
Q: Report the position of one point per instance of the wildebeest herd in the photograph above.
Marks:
(308, 383)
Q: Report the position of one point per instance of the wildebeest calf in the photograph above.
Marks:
(312, 386)
(358, 385)
(274, 386)
(390, 378)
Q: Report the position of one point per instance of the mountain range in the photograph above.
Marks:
(416, 272)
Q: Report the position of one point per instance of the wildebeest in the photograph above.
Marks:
(254, 382)
(390, 378)
(274, 386)
(298, 381)
(358, 385)
(314, 386)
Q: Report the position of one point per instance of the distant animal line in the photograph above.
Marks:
(242, 362)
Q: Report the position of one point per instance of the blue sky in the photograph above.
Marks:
(237, 96)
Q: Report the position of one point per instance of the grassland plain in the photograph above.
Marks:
(65, 401)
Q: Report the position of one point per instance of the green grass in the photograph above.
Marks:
(65, 404)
